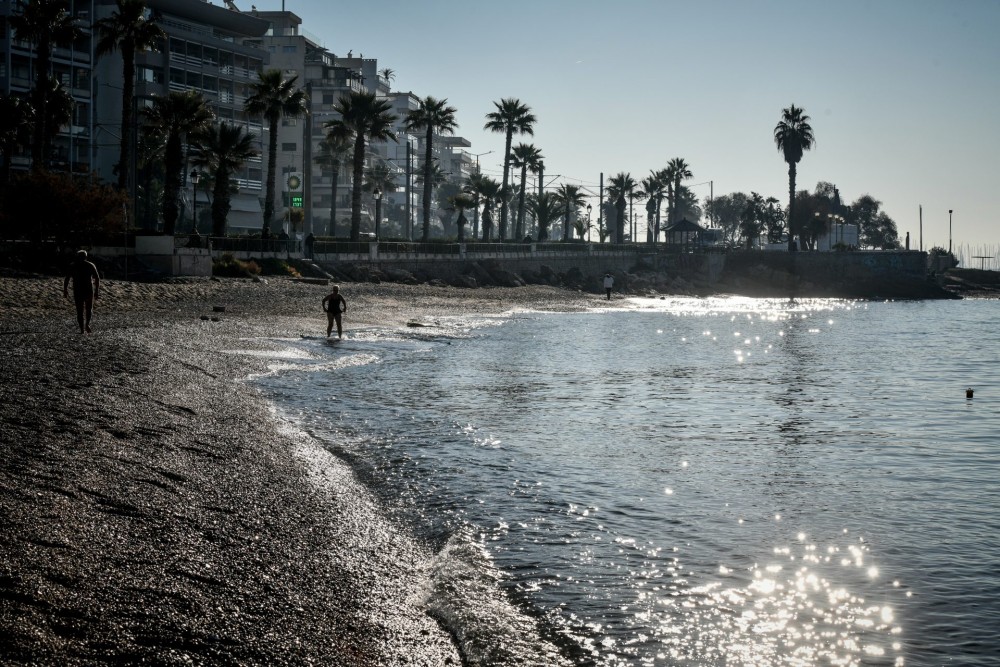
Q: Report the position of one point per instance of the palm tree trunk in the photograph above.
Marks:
(333, 201)
(791, 205)
(359, 171)
(172, 162)
(428, 170)
(519, 230)
(503, 192)
(220, 203)
(272, 165)
(128, 92)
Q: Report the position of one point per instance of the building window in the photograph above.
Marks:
(289, 122)
(327, 98)
(176, 76)
(193, 80)
(289, 48)
(289, 147)
(210, 83)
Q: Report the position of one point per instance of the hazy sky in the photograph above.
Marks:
(904, 95)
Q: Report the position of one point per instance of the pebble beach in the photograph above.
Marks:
(154, 510)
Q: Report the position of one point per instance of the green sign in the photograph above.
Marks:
(296, 200)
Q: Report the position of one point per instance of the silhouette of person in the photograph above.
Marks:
(86, 288)
(334, 305)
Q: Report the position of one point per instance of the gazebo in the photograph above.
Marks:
(685, 233)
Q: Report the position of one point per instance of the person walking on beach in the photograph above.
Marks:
(334, 305)
(609, 283)
(86, 288)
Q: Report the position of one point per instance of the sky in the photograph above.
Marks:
(903, 95)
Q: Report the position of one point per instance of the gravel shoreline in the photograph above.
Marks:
(155, 511)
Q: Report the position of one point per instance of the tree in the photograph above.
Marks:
(687, 205)
(511, 116)
(461, 202)
(654, 187)
(571, 198)
(388, 74)
(127, 30)
(432, 116)
(57, 112)
(15, 130)
(527, 158)
(546, 209)
(46, 24)
(363, 117)
(793, 136)
(678, 170)
(382, 177)
(752, 219)
(333, 154)
(175, 118)
(875, 228)
(221, 150)
(486, 190)
(274, 97)
(621, 186)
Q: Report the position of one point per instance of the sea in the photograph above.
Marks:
(683, 481)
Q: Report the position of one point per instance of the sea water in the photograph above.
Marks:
(720, 481)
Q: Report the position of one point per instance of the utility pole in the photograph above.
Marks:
(949, 230)
(409, 197)
(600, 209)
(307, 207)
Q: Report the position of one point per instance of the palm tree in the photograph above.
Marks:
(474, 186)
(274, 98)
(332, 155)
(58, 108)
(461, 202)
(620, 187)
(432, 116)
(46, 24)
(127, 30)
(363, 117)
(527, 157)
(679, 170)
(221, 150)
(511, 116)
(654, 186)
(175, 118)
(388, 74)
(793, 135)
(546, 209)
(15, 130)
(486, 190)
(381, 177)
(571, 198)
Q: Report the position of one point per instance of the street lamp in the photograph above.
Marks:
(378, 211)
(590, 208)
(195, 177)
(949, 230)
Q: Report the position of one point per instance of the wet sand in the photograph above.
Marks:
(152, 509)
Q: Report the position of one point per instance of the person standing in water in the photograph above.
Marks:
(86, 288)
(334, 305)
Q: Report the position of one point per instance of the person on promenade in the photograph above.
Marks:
(334, 305)
(86, 288)
(609, 283)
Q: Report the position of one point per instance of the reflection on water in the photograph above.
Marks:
(696, 481)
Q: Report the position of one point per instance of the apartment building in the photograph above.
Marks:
(74, 148)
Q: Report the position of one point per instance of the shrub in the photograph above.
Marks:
(278, 267)
(230, 267)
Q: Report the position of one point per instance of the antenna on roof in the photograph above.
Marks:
(232, 5)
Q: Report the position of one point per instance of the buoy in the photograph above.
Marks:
(968, 392)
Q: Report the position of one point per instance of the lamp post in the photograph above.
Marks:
(195, 177)
(949, 230)
(378, 211)
(590, 208)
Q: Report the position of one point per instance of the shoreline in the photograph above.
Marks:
(154, 508)
(153, 505)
